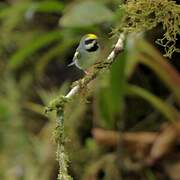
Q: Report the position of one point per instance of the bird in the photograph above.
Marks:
(87, 52)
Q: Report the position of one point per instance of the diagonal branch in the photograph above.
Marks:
(118, 48)
(82, 83)
(59, 103)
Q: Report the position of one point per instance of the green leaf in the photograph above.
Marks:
(85, 14)
(153, 59)
(112, 96)
(20, 56)
(105, 107)
(167, 110)
(13, 16)
(47, 6)
(117, 82)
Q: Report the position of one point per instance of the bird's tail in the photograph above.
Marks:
(71, 64)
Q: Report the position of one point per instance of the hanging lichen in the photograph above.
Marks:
(143, 15)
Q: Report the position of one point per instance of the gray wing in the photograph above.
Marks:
(75, 59)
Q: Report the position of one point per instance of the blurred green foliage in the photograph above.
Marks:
(38, 40)
(86, 13)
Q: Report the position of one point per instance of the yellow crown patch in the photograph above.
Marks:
(92, 36)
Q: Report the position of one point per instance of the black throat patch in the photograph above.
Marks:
(93, 48)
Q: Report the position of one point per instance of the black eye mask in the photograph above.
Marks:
(88, 41)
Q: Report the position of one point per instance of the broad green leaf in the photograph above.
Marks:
(132, 54)
(86, 13)
(20, 56)
(111, 97)
(117, 82)
(105, 107)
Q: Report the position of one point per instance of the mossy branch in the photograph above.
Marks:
(59, 103)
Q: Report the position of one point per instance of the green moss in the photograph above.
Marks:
(56, 104)
(143, 15)
(59, 136)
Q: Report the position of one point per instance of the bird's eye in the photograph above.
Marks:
(88, 41)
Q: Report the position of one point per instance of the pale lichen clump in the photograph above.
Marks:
(143, 15)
